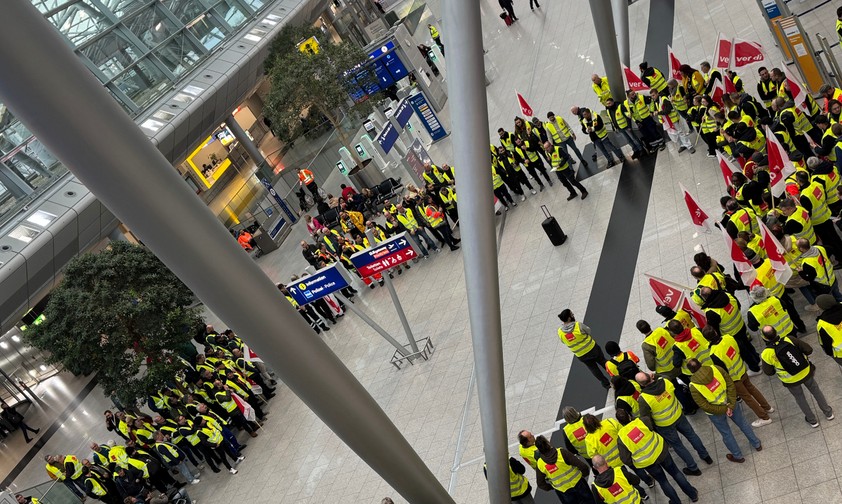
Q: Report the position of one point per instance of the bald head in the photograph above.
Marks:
(599, 463)
(642, 378)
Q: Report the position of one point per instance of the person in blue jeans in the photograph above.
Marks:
(659, 405)
(713, 390)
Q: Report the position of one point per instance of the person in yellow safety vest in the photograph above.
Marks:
(410, 224)
(767, 89)
(20, 499)
(768, 310)
(797, 124)
(447, 195)
(593, 126)
(560, 163)
(601, 88)
(501, 191)
(707, 124)
(174, 458)
(829, 327)
(222, 397)
(797, 221)
(577, 337)
(212, 444)
(839, 24)
(626, 394)
(826, 174)
(68, 470)
(434, 175)
(816, 268)
(835, 116)
(574, 431)
(616, 484)
(713, 390)
(527, 449)
(660, 407)
(562, 472)
(766, 278)
(507, 139)
(620, 363)
(814, 200)
(142, 433)
(827, 147)
(725, 353)
(642, 448)
(722, 311)
(653, 77)
(561, 134)
(829, 93)
(637, 108)
(530, 153)
(602, 442)
(657, 349)
(675, 125)
(519, 488)
(711, 76)
(714, 279)
(434, 33)
(512, 164)
(438, 224)
(689, 344)
(620, 122)
(95, 487)
(740, 219)
(794, 371)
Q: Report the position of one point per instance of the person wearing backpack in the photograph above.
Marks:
(787, 358)
(621, 363)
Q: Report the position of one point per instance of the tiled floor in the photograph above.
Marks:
(548, 56)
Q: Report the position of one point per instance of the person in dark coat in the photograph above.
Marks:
(11, 415)
(509, 8)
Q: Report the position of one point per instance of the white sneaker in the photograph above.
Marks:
(195, 481)
(770, 410)
(812, 308)
(760, 422)
(754, 373)
(533, 191)
(239, 459)
(522, 198)
(233, 471)
(830, 417)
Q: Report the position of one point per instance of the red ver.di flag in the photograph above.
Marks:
(524, 107)
(699, 217)
(675, 64)
(738, 257)
(728, 168)
(747, 53)
(633, 82)
(722, 54)
(244, 407)
(665, 293)
(775, 251)
(780, 166)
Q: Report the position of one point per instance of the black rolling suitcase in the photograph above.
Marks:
(551, 227)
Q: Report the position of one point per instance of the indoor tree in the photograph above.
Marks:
(122, 314)
(311, 80)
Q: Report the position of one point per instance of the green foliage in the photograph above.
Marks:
(119, 313)
(310, 83)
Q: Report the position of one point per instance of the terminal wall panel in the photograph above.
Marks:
(88, 213)
(14, 296)
(40, 268)
(108, 223)
(65, 231)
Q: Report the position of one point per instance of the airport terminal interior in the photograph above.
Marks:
(152, 57)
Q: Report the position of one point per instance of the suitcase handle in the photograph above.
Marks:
(546, 211)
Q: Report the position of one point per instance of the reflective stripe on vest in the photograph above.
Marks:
(644, 445)
(830, 183)
(731, 319)
(820, 212)
(829, 133)
(769, 357)
(728, 352)
(771, 312)
(214, 435)
(408, 220)
(558, 162)
(77, 466)
(172, 450)
(835, 333)
(561, 476)
(592, 124)
(745, 219)
(663, 341)
(716, 391)
(558, 131)
(228, 404)
(578, 342)
(620, 492)
(620, 117)
(517, 483)
(673, 114)
(604, 442)
(665, 408)
(96, 488)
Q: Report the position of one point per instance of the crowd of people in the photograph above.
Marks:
(701, 356)
(193, 425)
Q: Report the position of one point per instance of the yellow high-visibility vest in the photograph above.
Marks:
(728, 352)
(578, 342)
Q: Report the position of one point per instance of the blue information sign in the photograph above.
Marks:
(384, 255)
(404, 112)
(387, 137)
(428, 117)
(276, 229)
(278, 199)
(772, 11)
(318, 285)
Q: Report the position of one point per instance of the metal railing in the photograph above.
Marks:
(49, 492)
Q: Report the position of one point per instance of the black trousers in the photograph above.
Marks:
(215, 455)
(710, 141)
(568, 180)
(533, 4)
(324, 310)
(789, 306)
(503, 195)
(826, 231)
(444, 230)
(536, 167)
(522, 179)
(510, 9)
(514, 185)
(595, 360)
(192, 452)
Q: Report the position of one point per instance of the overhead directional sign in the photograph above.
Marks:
(384, 255)
(318, 285)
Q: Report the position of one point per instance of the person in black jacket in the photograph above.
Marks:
(507, 6)
(11, 415)
(827, 323)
